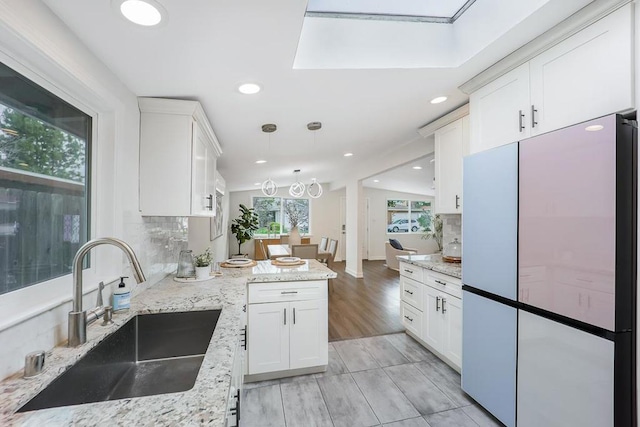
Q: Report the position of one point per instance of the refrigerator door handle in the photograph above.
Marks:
(437, 303)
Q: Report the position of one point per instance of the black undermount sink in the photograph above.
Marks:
(150, 354)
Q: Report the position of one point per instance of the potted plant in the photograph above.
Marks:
(244, 226)
(434, 229)
(203, 264)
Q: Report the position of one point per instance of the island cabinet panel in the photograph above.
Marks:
(268, 336)
(287, 327)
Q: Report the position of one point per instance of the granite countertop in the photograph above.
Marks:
(433, 262)
(206, 402)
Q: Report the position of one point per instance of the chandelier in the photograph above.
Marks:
(269, 187)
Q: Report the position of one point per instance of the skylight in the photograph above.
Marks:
(415, 10)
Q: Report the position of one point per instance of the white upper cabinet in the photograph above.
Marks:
(450, 146)
(587, 75)
(178, 152)
(499, 111)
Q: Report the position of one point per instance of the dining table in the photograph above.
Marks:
(277, 251)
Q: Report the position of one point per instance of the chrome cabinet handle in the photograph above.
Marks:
(520, 121)
(294, 315)
(457, 202)
(444, 309)
(408, 271)
(288, 292)
(437, 303)
(408, 318)
(409, 292)
(441, 283)
(210, 199)
(533, 117)
(285, 316)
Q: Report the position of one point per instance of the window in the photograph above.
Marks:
(408, 216)
(44, 182)
(276, 215)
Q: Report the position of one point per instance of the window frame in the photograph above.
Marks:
(409, 211)
(282, 199)
(22, 304)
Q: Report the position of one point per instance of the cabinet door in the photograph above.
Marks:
(449, 143)
(308, 334)
(432, 318)
(495, 111)
(268, 337)
(588, 75)
(200, 152)
(452, 331)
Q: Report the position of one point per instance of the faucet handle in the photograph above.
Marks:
(99, 302)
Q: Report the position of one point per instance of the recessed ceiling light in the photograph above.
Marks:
(417, 167)
(594, 128)
(376, 180)
(261, 161)
(249, 88)
(142, 12)
(438, 100)
(348, 154)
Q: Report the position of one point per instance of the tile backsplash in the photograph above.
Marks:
(451, 228)
(157, 242)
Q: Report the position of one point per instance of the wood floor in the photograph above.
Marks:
(364, 307)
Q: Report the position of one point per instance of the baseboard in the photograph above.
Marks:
(353, 273)
(284, 374)
(377, 258)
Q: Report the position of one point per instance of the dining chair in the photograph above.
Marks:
(263, 249)
(322, 247)
(333, 249)
(284, 240)
(305, 251)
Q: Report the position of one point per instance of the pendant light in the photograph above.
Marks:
(297, 188)
(314, 190)
(269, 187)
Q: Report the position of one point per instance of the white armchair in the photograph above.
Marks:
(391, 253)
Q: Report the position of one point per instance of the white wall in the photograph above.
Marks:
(378, 224)
(36, 43)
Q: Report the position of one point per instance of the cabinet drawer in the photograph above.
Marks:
(411, 318)
(411, 271)
(411, 292)
(287, 291)
(444, 283)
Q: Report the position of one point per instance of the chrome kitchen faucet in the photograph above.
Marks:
(78, 318)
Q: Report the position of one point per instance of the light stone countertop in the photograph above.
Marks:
(206, 402)
(433, 262)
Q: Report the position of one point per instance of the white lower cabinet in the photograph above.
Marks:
(289, 334)
(431, 311)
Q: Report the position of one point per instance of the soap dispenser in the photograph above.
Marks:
(122, 296)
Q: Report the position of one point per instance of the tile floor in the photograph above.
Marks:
(388, 380)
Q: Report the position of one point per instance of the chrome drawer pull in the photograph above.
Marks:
(409, 292)
(408, 318)
(408, 271)
(288, 292)
(441, 283)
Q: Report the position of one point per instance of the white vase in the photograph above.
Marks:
(203, 272)
(294, 236)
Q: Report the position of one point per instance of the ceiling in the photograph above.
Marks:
(207, 48)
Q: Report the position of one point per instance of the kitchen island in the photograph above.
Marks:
(207, 402)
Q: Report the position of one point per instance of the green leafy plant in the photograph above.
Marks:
(434, 231)
(204, 259)
(244, 226)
